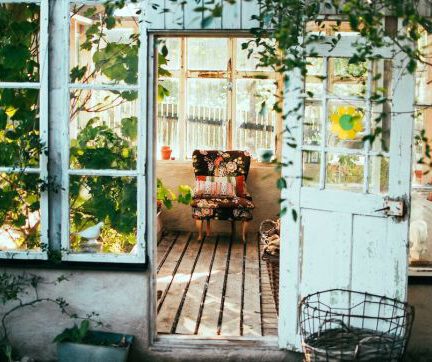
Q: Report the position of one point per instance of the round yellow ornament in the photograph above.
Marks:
(346, 122)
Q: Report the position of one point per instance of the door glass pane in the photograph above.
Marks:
(346, 124)
(19, 42)
(344, 172)
(19, 212)
(107, 205)
(167, 122)
(311, 168)
(20, 144)
(103, 45)
(206, 114)
(207, 53)
(312, 127)
(347, 79)
(103, 130)
(256, 119)
(381, 126)
(378, 175)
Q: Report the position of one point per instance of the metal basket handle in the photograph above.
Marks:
(335, 321)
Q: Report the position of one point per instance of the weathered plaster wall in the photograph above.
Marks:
(261, 184)
(119, 297)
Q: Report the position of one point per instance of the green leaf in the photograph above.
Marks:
(129, 128)
(3, 119)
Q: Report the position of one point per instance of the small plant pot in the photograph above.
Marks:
(98, 347)
(166, 152)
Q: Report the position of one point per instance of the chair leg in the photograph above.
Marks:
(245, 225)
(199, 226)
(208, 228)
(233, 230)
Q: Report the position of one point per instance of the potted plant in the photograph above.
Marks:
(81, 344)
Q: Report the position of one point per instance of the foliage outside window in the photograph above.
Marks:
(23, 182)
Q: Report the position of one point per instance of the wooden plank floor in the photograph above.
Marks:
(214, 287)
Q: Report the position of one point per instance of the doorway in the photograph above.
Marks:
(210, 97)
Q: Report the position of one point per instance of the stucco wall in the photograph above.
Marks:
(119, 298)
(261, 185)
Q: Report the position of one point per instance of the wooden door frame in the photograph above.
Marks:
(264, 342)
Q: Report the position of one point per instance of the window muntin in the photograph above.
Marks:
(204, 103)
(105, 134)
(23, 130)
(343, 103)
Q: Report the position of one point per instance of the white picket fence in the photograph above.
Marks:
(206, 128)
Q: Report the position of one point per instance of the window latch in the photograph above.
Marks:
(393, 207)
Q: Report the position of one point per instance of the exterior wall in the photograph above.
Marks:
(261, 185)
(119, 297)
(178, 16)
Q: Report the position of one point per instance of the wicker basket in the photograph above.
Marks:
(343, 325)
(267, 229)
(272, 262)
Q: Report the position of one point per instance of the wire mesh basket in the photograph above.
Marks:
(344, 325)
(272, 262)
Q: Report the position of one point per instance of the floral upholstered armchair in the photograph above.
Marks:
(220, 189)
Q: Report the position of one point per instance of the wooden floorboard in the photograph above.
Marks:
(190, 314)
(252, 303)
(215, 287)
(232, 306)
(168, 311)
(209, 319)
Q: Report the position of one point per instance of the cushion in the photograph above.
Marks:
(214, 187)
(221, 187)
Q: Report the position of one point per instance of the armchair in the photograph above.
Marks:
(220, 189)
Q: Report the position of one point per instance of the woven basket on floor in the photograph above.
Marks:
(343, 325)
(272, 262)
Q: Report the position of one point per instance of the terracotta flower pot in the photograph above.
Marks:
(166, 152)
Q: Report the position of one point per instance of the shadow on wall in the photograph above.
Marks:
(261, 184)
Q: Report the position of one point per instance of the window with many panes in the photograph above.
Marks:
(98, 61)
(213, 95)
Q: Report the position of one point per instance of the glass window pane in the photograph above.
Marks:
(347, 79)
(167, 121)
(103, 130)
(19, 42)
(206, 114)
(378, 175)
(344, 172)
(207, 53)
(256, 119)
(314, 79)
(104, 45)
(20, 144)
(312, 124)
(346, 124)
(381, 126)
(311, 168)
(248, 59)
(424, 71)
(109, 200)
(421, 229)
(20, 215)
(173, 47)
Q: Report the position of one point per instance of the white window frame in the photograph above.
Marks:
(139, 173)
(230, 75)
(42, 170)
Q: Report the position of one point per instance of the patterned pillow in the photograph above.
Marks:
(217, 186)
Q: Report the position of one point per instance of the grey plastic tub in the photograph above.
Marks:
(99, 347)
